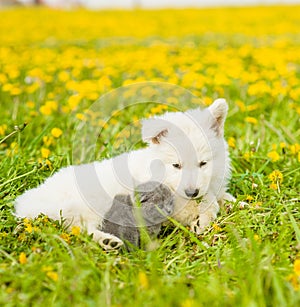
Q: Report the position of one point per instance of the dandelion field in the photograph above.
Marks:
(55, 64)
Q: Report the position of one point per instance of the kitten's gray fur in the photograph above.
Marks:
(125, 220)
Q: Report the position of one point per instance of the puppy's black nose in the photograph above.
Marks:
(191, 192)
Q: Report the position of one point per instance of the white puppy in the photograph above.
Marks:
(186, 151)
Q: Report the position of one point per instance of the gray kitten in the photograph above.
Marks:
(125, 220)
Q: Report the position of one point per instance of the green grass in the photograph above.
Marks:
(245, 262)
(245, 258)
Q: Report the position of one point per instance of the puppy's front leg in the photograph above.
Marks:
(208, 210)
(227, 197)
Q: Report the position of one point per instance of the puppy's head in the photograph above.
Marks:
(191, 149)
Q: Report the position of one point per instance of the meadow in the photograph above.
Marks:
(55, 64)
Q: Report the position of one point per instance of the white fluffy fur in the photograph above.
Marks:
(83, 194)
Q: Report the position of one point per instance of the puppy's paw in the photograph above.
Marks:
(200, 223)
(110, 242)
(238, 204)
(229, 201)
(196, 227)
(242, 204)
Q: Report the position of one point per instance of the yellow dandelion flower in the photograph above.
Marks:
(128, 81)
(172, 100)
(297, 267)
(129, 93)
(249, 198)
(75, 230)
(49, 107)
(295, 148)
(3, 129)
(143, 280)
(257, 204)
(282, 145)
(21, 237)
(3, 78)
(294, 280)
(65, 109)
(81, 116)
(231, 142)
(56, 132)
(32, 88)
(259, 88)
(135, 120)
(47, 268)
(52, 275)
(45, 219)
(13, 73)
(251, 120)
(49, 164)
(216, 227)
(15, 91)
(28, 228)
(247, 156)
(273, 156)
(252, 107)
(52, 104)
(33, 113)
(273, 186)
(73, 101)
(48, 140)
(30, 104)
(241, 105)
(157, 109)
(7, 87)
(63, 76)
(92, 96)
(276, 176)
(14, 146)
(45, 152)
(50, 95)
(22, 258)
(103, 124)
(256, 238)
(113, 121)
(188, 303)
(10, 290)
(65, 237)
(207, 100)
(45, 110)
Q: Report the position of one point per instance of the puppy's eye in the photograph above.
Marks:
(177, 165)
(202, 163)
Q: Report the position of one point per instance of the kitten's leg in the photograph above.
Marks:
(105, 240)
(208, 210)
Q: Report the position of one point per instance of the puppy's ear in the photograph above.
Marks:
(218, 110)
(153, 130)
